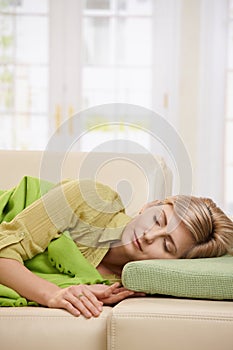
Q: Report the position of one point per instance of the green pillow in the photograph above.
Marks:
(210, 278)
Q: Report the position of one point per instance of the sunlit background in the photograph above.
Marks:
(58, 57)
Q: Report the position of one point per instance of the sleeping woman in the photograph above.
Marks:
(94, 216)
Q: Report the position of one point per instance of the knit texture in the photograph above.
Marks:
(208, 278)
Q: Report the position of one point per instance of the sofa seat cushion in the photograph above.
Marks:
(163, 323)
(40, 328)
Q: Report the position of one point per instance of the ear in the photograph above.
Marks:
(149, 205)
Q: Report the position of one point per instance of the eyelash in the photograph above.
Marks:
(156, 221)
(164, 240)
(165, 245)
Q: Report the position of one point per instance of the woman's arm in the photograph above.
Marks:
(16, 276)
(78, 299)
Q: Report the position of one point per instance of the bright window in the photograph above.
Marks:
(117, 63)
(24, 65)
(117, 39)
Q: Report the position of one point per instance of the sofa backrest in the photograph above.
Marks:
(138, 178)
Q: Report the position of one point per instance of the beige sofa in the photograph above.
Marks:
(158, 323)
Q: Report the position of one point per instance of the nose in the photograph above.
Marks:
(150, 235)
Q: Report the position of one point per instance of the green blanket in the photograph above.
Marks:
(62, 263)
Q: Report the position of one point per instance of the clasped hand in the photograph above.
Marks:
(88, 300)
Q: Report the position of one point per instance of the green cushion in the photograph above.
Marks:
(210, 278)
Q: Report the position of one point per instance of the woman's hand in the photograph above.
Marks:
(88, 300)
(112, 294)
(78, 300)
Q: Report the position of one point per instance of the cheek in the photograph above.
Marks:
(128, 233)
(156, 250)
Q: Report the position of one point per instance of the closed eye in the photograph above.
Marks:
(160, 220)
(165, 246)
(156, 220)
(169, 245)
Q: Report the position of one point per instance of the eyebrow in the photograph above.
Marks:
(169, 236)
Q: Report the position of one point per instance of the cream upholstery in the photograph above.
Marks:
(164, 324)
(137, 323)
(33, 328)
(126, 173)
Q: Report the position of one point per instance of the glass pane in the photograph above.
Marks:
(6, 38)
(98, 78)
(33, 6)
(32, 40)
(92, 97)
(31, 131)
(134, 41)
(97, 4)
(134, 78)
(141, 7)
(94, 78)
(106, 85)
(9, 5)
(31, 89)
(24, 6)
(6, 132)
(229, 96)
(97, 40)
(140, 97)
(38, 132)
(6, 88)
(229, 190)
(229, 143)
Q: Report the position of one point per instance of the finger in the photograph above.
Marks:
(65, 304)
(119, 290)
(92, 298)
(115, 298)
(111, 289)
(122, 289)
(123, 295)
(91, 303)
(77, 303)
(139, 294)
(83, 306)
(84, 301)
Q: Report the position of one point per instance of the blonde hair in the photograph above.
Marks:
(211, 228)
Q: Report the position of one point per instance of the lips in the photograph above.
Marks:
(137, 242)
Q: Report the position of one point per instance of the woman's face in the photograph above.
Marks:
(157, 233)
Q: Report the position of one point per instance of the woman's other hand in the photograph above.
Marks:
(112, 294)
